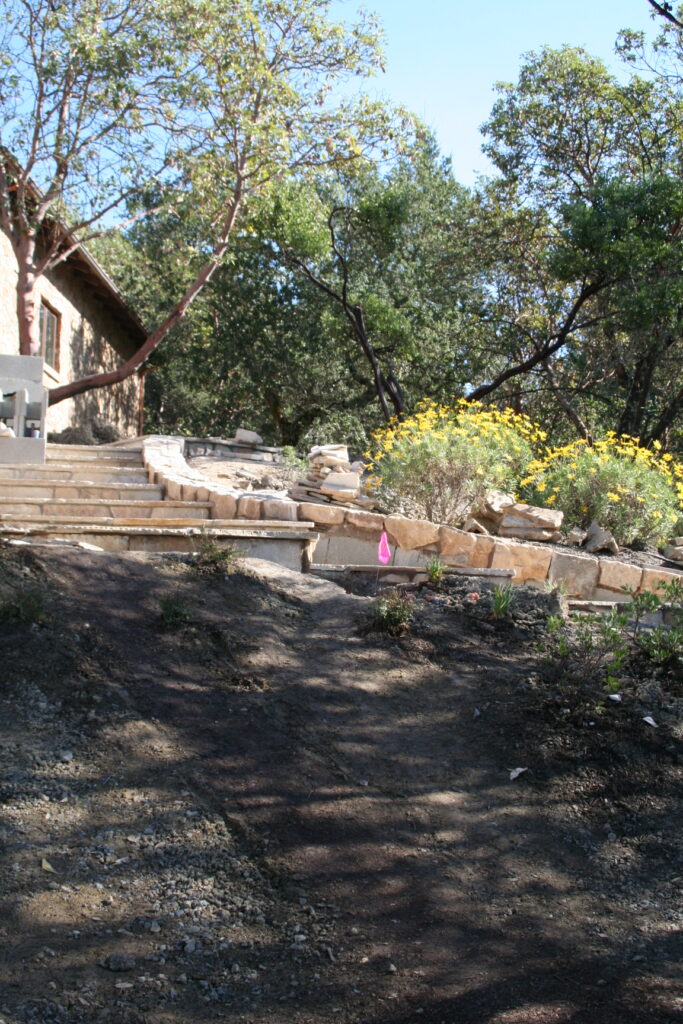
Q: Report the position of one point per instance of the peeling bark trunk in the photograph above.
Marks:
(27, 310)
(134, 364)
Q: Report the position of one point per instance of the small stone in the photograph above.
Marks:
(119, 962)
(248, 436)
(66, 755)
(392, 968)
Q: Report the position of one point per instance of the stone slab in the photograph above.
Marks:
(411, 533)
(528, 561)
(321, 515)
(249, 507)
(278, 508)
(465, 549)
(579, 576)
(651, 577)
(224, 506)
(365, 521)
(615, 576)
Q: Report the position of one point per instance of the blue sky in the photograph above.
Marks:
(444, 56)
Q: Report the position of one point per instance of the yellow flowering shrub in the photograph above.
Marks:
(440, 462)
(633, 491)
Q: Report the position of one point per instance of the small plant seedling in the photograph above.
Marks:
(392, 612)
(173, 611)
(212, 556)
(435, 569)
(501, 602)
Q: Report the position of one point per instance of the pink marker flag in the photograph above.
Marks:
(384, 551)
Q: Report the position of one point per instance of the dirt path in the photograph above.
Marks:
(278, 816)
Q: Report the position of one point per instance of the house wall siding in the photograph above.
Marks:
(87, 333)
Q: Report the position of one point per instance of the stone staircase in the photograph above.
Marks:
(101, 497)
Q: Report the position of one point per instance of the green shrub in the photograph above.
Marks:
(632, 491)
(392, 612)
(501, 601)
(441, 461)
(210, 556)
(435, 569)
(173, 611)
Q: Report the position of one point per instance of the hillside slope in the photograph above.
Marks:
(224, 798)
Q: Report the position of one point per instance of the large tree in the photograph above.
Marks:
(200, 105)
(584, 244)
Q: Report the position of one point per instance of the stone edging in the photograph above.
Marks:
(583, 576)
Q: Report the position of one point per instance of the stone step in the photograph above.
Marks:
(93, 451)
(189, 521)
(17, 489)
(287, 547)
(97, 508)
(87, 472)
(93, 456)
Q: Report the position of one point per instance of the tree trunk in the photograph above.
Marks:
(27, 310)
(103, 380)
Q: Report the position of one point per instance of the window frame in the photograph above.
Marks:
(48, 314)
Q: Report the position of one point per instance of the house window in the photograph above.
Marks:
(49, 335)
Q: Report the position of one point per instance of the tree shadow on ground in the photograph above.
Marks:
(267, 767)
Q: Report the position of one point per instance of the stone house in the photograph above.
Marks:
(85, 327)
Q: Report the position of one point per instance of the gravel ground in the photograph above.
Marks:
(266, 812)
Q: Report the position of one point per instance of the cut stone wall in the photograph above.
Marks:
(349, 536)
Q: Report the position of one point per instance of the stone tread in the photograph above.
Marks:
(240, 526)
(141, 502)
(51, 482)
(199, 529)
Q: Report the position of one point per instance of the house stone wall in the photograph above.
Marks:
(89, 336)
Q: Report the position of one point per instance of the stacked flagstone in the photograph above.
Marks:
(674, 550)
(331, 478)
(502, 515)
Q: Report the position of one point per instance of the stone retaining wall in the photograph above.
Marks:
(349, 536)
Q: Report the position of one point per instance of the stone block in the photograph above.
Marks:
(615, 576)
(341, 482)
(174, 488)
(278, 508)
(674, 552)
(578, 575)
(341, 549)
(529, 533)
(248, 436)
(528, 561)
(249, 507)
(653, 577)
(366, 521)
(411, 533)
(524, 516)
(224, 506)
(456, 545)
(189, 492)
(321, 515)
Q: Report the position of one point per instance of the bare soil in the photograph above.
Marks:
(224, 798)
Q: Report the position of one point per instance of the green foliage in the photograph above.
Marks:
(627, 489)
(27, 604)
(211, 557)
(443, 460)
(436, 569)
(392, 612)
(599, 649)
(502, 600)
(173, 612)
(582, 232)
